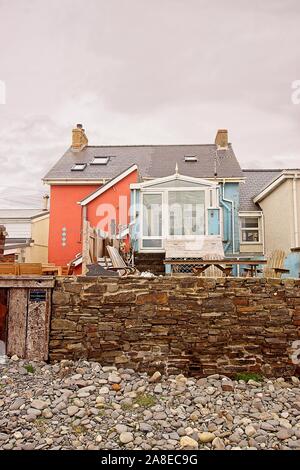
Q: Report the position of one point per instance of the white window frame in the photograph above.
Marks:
(211, 196)
(150, 237)
(259, 228)
(78, 167)
(101, 160)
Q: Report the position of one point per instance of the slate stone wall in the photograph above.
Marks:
(198, 326)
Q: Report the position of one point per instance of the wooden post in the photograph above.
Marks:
(17, 322)
(38, 324)
(85, 246)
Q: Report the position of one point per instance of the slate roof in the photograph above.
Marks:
(255, 182)
(21, 213)
(153, 161)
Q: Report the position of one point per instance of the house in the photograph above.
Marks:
(26, 235)
(94, 183)
(270, 214)
(155, 194)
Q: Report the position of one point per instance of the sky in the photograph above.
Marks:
(145, 72)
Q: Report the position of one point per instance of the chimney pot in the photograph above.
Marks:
(46, 201)
(222, 138)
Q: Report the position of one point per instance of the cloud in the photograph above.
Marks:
(135, 72)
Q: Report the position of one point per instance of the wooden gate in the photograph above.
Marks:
(28, 317)
(3, 316)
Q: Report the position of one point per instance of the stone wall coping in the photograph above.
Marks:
(46, 282)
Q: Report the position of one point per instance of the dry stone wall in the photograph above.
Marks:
(198, 326)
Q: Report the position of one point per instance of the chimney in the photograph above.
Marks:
(222, 138)
(46, 201)
(79, 139)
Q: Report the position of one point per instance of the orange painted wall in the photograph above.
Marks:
(65, 212)
(112, 204)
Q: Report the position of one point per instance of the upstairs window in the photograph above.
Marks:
(250, 229)
(78, 167)
(100, 161)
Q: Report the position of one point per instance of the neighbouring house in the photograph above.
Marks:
(26, 235)
(154, 194)
(270, 214)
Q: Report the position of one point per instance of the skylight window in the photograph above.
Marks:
(100, 161)
(78, 167)
(190, 158)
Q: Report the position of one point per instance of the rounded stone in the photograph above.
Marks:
(206, 437)
(39, 404)
(187, 442)
(72, 410)
(126, 437)
(250, 430)
(121, 428)
(218, 444)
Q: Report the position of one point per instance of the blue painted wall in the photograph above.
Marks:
(213, 221)
(292, 262)
(230, 224)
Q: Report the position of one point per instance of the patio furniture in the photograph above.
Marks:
(118, 263)
(204, 247)
(8, 269)
(225, 265)
(50, 269)
(30, 269)
(275, 265)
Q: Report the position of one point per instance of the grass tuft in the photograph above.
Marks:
(30, 369)
(146, 401)
(246, 376)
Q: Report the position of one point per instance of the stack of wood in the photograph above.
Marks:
(2, 241)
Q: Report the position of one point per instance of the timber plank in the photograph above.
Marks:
(17, 319)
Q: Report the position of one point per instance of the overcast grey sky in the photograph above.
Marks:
(144, 72)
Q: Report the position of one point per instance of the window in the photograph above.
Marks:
(250, 229)
(186, 212)
(100, 161)
(190, 158)
(78, 167)
(152, 215)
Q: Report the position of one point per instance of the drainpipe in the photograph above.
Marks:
(263, 232)
(230, 201)
(296, 232)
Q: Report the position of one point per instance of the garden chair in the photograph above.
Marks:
(119, 265)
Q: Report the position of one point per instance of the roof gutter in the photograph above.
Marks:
(275, 183)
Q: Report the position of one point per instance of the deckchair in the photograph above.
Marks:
(275, 265)
(119, 265)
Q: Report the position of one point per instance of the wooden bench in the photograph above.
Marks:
(9, 269)
(30, 269)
